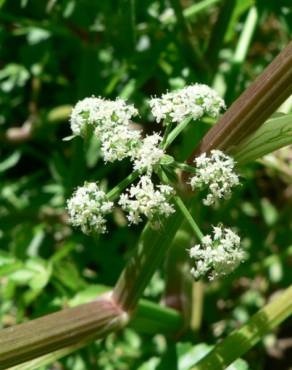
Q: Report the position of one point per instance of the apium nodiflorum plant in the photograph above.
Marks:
(149, 193)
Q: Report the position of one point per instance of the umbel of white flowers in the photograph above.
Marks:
(216, 173)
(193, 101)
(217, 255)
(147, 199)
(87, 208)
(111, 122)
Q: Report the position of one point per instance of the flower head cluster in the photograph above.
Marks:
(217, 173)
(110, 120)
(148, 154)
(218, 255)
(87, 208)
(192, 101)
(147, 199)
(119, 142)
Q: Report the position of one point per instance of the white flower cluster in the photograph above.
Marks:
(87, 208)
(215, 172)
(110, 120)
(218, 255)
(119, 142)
(148, 154)
(192, 101)
(148, 200)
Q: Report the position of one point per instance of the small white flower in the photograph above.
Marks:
(87, 207)
(147, 200)
(119, 143)
(216, 172)
(83, 115)
(192, 101)
(217, 256)
(148, 154)
(100, 114)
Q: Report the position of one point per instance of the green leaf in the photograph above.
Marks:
(274, 134)
(10, 161)
(241, 340)
(239, 364)
(189, 354)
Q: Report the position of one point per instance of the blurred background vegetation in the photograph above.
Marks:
(53, 53)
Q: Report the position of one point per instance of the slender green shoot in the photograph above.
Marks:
(187, 215)
(166, 133)
(183, 209)
(175, 132)
(114, 192)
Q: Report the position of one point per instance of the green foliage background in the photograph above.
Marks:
(53, 53)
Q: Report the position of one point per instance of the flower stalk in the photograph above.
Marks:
(175, 132)
(115, 192)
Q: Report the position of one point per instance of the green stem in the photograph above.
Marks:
(150, 318)
(186, 213)
(183, 209)
(114, 192)
(176, 131)
(50, 333)
(166, 133)
(150, 252)
(241, 340)
(197, 306)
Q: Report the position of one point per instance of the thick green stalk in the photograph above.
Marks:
(151, 250)
(150, 318)
(241, 340)
(56, 335)
(252, 108)
(61, 329)
(52, 357)
(177, 277)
